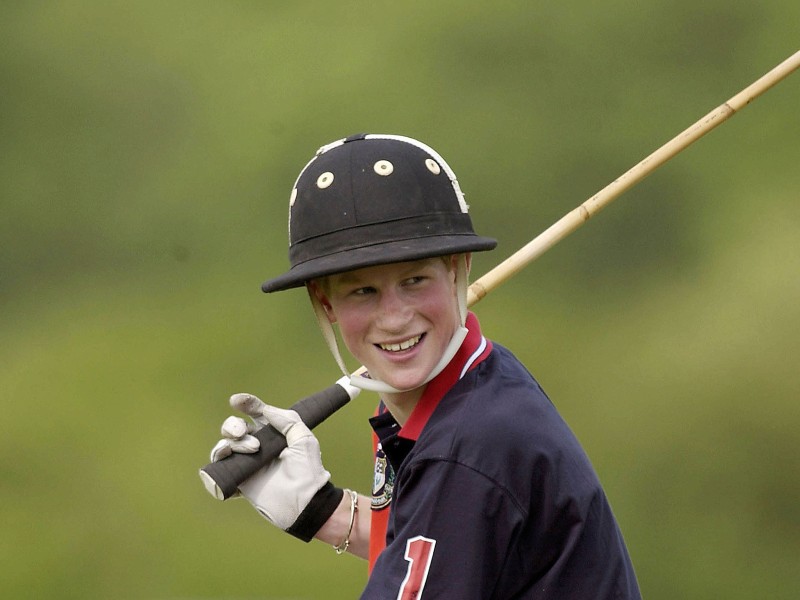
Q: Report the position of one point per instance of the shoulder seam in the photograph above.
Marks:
(494, 483)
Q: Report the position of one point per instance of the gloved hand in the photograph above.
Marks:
(293, 492)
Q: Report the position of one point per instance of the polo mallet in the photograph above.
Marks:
(222, 478)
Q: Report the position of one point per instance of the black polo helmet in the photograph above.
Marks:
(374, 199)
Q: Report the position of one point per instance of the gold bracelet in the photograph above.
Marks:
(342, 548)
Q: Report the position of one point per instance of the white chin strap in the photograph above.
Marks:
(375, 385)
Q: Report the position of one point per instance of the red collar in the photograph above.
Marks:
(474, 350)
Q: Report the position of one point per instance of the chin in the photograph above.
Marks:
(408, 383)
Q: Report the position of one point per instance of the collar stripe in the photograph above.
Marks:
(474, 357)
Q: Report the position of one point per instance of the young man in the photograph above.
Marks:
(480, 489)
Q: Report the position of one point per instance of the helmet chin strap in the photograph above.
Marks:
(375, 385)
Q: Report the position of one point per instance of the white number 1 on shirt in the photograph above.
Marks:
(419, 552)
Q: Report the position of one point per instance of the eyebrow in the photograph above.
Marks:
(351, 278)
(347, 278)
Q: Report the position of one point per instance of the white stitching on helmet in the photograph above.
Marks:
(425, 148)
(331, 146)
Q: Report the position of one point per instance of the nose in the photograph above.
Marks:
(394, 311)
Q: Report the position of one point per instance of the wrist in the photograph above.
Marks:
(342, 547)
(335, 529)
(314, 516)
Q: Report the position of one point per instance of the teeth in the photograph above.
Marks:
(402, 345)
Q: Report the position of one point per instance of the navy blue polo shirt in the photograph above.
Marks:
(472, 351)
(494, 498)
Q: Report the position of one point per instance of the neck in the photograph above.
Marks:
(402, 404)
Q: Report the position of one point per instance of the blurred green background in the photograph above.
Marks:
(147, 151)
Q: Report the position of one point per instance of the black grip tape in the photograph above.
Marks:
(229, 472)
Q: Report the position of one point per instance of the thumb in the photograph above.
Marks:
(288, 422)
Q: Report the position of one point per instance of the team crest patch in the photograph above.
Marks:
(383, 484)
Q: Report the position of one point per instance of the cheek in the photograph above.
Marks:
(352, 325)
(447, 309)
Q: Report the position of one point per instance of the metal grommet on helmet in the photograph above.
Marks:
(324, 180)
(368, 217)
(433, 166)
(383, 167)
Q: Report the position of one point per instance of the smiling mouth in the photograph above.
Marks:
(409, 343)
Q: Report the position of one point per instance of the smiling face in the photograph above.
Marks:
(396, 319)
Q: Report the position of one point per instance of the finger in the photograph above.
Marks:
(247, 445)
(248, 404)
(221, 450)
(234, 428)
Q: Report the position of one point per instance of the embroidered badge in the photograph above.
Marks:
(383, 484)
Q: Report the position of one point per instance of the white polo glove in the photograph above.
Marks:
(293, 492)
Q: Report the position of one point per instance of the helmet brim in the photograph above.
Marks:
(377, 254)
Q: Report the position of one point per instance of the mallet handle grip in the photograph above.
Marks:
(229, 472)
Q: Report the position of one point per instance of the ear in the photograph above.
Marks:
(315, 290)
(454, 261)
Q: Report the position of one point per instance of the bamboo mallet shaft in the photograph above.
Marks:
(578, 216)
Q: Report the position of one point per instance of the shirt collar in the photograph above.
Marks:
(474, 350)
